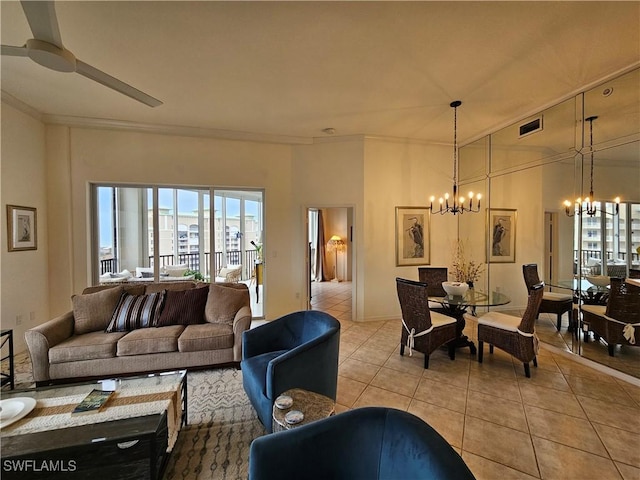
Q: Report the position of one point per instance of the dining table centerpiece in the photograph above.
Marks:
(465, 269)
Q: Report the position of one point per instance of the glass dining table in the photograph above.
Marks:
(584, 290)
(456, 306)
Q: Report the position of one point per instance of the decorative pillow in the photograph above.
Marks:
(141, 270)
(185, 307)
(92, 311)
(176, 270)
(224, 302)
(136, 311)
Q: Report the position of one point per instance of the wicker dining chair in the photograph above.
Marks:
(552, 302)
(433, 277)
(422, 329)
(620, 315)
(634, 273)
(514, 335)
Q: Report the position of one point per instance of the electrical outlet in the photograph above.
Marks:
(32, 316)
(298, 295)
(18, 319)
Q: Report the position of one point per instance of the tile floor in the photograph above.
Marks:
(568, 421)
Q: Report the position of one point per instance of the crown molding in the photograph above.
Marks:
(21, 106)
(121, 125)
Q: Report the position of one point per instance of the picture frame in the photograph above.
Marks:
(413, 233)
(22, 228)
(501, 225)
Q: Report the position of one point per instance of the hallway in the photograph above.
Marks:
(333, 298)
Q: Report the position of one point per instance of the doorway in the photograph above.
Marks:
(330, 259)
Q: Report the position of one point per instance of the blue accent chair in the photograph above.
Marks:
(299, 350)
(363, 444)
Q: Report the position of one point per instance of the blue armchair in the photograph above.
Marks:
(366, 443)
(299, 350)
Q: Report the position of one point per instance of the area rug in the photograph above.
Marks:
(222, 425)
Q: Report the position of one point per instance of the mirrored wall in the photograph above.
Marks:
(526, 171)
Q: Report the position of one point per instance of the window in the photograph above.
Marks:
(615, 238)
(127, 238)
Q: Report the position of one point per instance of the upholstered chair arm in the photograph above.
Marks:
(241, 323)
(265, 339)
(309, 366)
(41, 338)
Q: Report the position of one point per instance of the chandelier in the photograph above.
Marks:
(588, 205)
(457, 204)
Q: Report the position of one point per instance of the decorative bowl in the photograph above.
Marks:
(455, 288)
(599, 280)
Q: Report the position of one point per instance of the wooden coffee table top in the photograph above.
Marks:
(313, 405)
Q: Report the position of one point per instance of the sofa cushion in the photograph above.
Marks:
(93, 311)
(89, 346)
(150, 340)
(208, 336)
(136, 311)
(183, 307)
(223, 302)
(175, 286)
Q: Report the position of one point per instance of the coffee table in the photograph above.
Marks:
(313, 405)
(134, 432)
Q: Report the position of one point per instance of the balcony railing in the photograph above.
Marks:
(192, 260)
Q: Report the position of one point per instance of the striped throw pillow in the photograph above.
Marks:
(136, 311)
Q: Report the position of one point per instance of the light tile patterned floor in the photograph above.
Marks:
(568, 421)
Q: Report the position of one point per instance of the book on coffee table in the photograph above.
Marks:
(93, 402)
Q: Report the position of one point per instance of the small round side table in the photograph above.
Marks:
(313, 405)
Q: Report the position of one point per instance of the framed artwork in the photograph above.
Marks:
(501, 224)
(412, 236)
(22, 228)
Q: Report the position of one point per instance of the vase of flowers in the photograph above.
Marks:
(465, 269)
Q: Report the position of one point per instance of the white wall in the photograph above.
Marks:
(399, 174)
(91, 155)
(24, 285)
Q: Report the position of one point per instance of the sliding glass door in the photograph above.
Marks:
(139, 231)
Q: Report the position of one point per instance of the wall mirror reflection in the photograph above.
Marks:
(532, 167)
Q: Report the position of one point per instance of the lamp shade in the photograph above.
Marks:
(335, 243)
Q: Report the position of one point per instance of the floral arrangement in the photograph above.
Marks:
(464, 270)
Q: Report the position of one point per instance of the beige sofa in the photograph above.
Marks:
(188, 325)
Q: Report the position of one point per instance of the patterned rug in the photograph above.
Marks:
(222, 425)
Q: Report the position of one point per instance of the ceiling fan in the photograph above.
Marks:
(47, 50)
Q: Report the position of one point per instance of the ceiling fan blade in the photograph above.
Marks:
(13, 51)
(43, 21)
(117, 85)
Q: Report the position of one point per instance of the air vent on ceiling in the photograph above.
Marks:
(531, 126)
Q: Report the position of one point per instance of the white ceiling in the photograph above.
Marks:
(291, 69)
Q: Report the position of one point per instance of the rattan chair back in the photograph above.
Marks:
(528, 321)
(634, 273)
(414, 304)
(624, 301)
(530, 273)
(433, 277)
